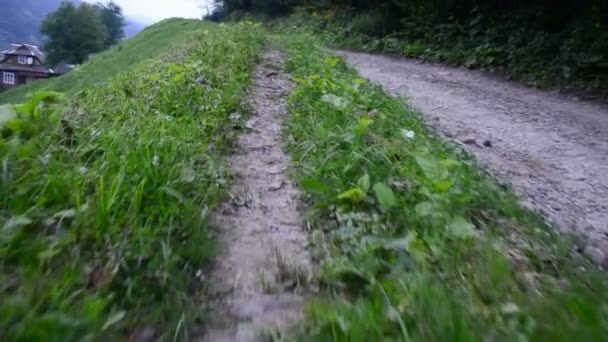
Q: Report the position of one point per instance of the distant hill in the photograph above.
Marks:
(23, 23)
(133, 27)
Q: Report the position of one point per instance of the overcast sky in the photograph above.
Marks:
(151, 11)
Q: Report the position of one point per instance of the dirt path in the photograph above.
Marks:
(552, 148)
(263, 265)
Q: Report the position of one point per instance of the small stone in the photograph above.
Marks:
(470, 141)
(596, 255)
(487, 143)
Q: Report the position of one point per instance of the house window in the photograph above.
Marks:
(22, 59)
(8, 78)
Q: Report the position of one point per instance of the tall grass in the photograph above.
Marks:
(419, 244)
(105, 193)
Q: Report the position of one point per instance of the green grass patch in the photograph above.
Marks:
(420, 244)
(104, 194)
(150, 44)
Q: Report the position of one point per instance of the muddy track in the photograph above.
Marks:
(551, 147)
(257, 284)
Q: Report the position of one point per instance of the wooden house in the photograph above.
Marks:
(21, 64)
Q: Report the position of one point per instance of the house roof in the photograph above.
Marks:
(25, 50)
(63, 68)
(35, 68)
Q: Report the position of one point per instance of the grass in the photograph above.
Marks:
(150, 44)
(422, 245)
(105, 190)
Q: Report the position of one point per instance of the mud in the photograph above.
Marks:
(259, 279)
(552, 148)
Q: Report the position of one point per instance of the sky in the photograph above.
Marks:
(151, 11)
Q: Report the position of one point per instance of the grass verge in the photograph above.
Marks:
(420, 244)
(150, 44)
(104, 194)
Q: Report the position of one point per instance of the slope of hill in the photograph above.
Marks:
(150, 43)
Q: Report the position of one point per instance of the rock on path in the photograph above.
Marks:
(551, 147)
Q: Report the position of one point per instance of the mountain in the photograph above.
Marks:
(133, 27)
(23, 25)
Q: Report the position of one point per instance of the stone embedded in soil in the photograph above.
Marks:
(596, 255)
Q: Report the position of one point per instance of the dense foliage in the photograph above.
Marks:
(544, 42)
(75, 32)
(104, 194)
(418, 244)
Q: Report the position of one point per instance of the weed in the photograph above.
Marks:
(419, 237)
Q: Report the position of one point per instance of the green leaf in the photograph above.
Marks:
(362, 125)
(460, 227)
(356, 195)
(68, 213)
(174, 193)
(433, 170)
(42, 96)
(6, 113)
(385, 195)
(16, 222)
(313, 185)
(363, 182)
(336, 101)
(443, 186)
(450, 163)
(424, 209)
(113, 319)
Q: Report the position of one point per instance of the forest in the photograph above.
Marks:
(545, 43)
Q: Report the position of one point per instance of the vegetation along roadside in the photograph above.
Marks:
(105, 190)
(417, 242)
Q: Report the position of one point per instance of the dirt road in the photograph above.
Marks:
(259, 277)
(552, 148)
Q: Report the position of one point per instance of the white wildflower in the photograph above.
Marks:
(155, 161)
(408, 134)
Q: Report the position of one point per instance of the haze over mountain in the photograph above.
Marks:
(23, 25)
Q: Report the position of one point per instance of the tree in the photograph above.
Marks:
(111, 15)
(73, 33)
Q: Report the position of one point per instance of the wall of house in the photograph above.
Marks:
(15, 60)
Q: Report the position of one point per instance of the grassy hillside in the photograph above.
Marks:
(104, 196)
(149, 44)
(419, 244)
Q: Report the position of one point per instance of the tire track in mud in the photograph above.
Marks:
(551, 147)
(259, 278)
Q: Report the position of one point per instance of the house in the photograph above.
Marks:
(21, 64)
